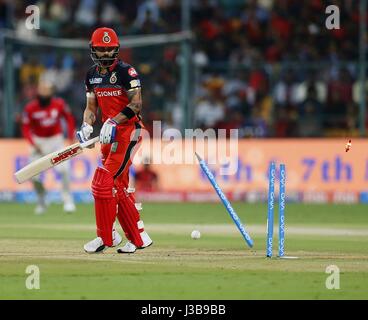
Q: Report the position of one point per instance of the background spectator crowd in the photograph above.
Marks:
(269, 68)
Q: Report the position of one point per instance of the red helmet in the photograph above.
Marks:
(104, 38)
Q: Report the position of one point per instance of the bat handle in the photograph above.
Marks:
(89, 142)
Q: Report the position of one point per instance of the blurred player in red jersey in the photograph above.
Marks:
(41, 126)
(146, 179)
(113, 86)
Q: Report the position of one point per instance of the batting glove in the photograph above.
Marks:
(108, 131)
(84, 132)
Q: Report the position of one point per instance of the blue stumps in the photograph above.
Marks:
(282, 198)
(270, 208)
(225, 201)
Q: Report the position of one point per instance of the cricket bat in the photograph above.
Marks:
(51, 160)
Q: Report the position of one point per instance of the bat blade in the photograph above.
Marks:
(46, 162)
(51, 160)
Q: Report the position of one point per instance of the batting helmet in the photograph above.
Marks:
(104, 40)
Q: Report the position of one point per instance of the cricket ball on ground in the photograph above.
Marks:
(195, 234)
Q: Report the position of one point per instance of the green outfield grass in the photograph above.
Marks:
(217, 266)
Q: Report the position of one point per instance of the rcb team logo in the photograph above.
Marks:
(132, 72)
(113, 78)
(106, 38)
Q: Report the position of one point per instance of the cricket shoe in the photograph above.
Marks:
(97, 245)
(40, 209)
(129, 247)
(94, 246)
(69, 207)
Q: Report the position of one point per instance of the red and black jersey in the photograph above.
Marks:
(110, 89)
(46, 121)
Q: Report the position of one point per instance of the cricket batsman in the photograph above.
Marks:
(42, 127)
(114, 87)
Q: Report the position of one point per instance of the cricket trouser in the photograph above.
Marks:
(113, 199)
(48, 145)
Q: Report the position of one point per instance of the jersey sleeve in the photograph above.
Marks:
(129, 78)
(26, 116)
(89, 86)
(26, 125)
(68, 116)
